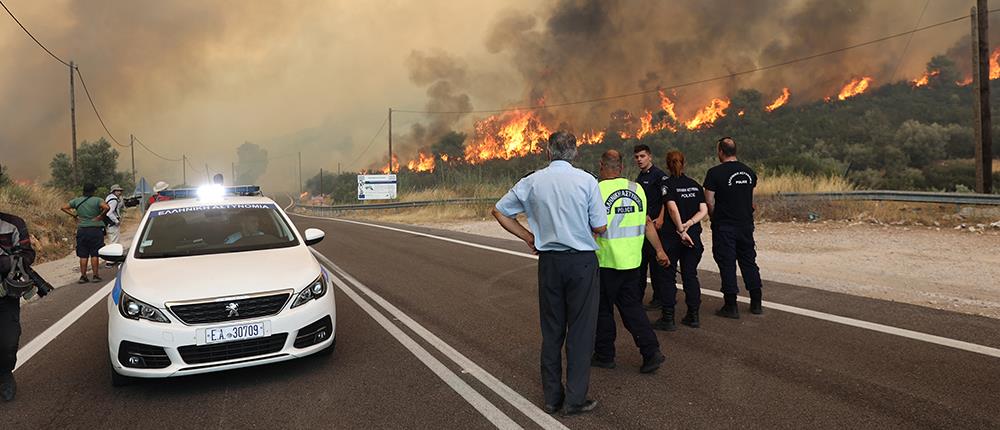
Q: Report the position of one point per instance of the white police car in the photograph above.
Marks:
(215, 281)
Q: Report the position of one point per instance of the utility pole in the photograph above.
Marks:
(184, 174)
(300, 173)
(338, 168)
(981, 91)
(321, 181)
(208, 177)
(72, 113)
(131, 149)
(390, 141)
(233, 165)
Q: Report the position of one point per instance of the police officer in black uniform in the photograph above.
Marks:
(729, 194)
(13, 234)
(681, 236)
(652, 181)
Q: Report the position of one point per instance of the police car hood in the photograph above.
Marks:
(160, 280)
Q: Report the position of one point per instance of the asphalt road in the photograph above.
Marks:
(440, 334)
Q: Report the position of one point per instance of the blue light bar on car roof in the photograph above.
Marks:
(192, 193)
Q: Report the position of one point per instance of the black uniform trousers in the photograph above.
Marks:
(732, 245)
(619, 289)
(567, 307)
(10, 332)
(688, 259)
(657, 273)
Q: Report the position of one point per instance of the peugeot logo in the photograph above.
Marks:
(234, 310)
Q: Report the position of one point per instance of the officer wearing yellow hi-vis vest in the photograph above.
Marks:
(619, 256)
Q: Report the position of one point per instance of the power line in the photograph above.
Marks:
(32, 36)
(188, 161)
(701, 81)
(93, 106)
(906, 47)
(370, 143)
(143, 145)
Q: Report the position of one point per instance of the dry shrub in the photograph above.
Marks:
(799, 183)
(471, 190)
(777, 208)
(53, 233)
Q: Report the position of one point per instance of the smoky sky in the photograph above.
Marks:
(202, 78)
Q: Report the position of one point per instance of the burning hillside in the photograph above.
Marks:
(780, 101)
(855, 87)
(505, 136)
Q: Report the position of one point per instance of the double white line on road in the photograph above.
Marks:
(480, 403)
(881, 328)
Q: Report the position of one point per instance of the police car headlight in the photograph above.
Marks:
(135, 310)
(315, 290)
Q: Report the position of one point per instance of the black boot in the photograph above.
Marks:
(756, 307)
(691, 318)
(666, 321)
(729, 310)
(650, 364)
(8, 388)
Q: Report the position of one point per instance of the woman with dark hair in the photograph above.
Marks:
(681, 237)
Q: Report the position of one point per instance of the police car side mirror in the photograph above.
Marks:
(313, 236)
(114, 252)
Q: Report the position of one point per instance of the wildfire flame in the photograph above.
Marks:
(647, 127)
(780, 101)
(444, 157)
(508, 135)
(708, 114)
(925, 79)
(855, 87)
(395, 166)
(668, 106)
(995, 64)
(591, 138)
(423, 163)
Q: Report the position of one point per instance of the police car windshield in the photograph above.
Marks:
(214, 229)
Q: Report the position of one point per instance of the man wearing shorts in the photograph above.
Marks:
(89, 212)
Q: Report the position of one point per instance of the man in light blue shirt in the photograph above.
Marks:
(564, 209)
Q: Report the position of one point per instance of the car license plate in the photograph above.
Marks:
(235, 332)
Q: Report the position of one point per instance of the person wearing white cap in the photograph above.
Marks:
(157, 197)
(114, 216)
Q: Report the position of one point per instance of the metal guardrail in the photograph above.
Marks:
(902, 196)
(400, 205)
(876, 195)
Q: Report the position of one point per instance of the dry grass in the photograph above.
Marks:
(442, 193)
(799, 183)
(53, 233)
(770, 205)
(895, 213)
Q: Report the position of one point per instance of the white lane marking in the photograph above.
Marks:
(468, 366)
(881, 328)
(39, 342)
(491, 412)
(446, 239)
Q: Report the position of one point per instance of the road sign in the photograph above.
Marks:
(376, 187)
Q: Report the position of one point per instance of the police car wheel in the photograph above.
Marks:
(119, 380)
